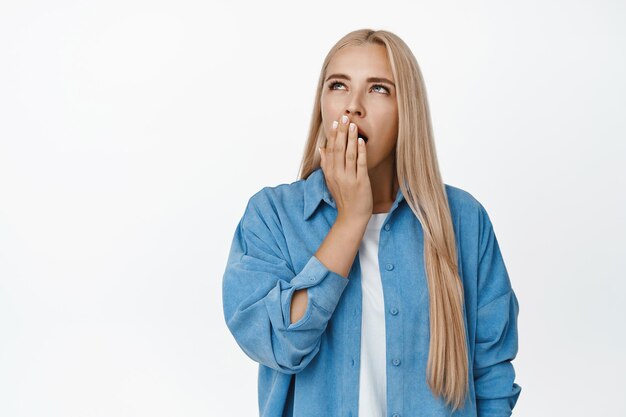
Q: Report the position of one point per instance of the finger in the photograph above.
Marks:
(330, 144)
(351, 150)
(361, 161)
(339, 148)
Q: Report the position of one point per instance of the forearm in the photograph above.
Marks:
(337, 253)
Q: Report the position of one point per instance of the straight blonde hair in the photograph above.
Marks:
(417, 170)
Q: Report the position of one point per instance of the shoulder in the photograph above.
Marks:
(460, 199)
(270, 203)
(467, 209)
(274, 196)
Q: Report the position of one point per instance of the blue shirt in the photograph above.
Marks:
(310, 368)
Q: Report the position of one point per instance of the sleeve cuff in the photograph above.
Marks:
(325, 288)
(498, 407)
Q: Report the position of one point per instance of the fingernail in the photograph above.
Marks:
(361, 141)
(344, 119)
(352, 127)
(335, 123)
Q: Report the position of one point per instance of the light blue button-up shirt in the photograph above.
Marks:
(310, 368)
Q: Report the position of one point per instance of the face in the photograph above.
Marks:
(350, 89)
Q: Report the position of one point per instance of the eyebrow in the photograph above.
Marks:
(369, 80)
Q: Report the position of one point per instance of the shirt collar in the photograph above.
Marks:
(315, 190)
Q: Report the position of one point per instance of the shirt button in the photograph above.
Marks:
(394, 311)
(312, 279)
(396, 362)
(395, 415)
(387, 227)
(389, 267)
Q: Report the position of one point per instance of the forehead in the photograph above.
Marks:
(368, 60)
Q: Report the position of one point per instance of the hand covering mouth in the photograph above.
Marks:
(362, 135)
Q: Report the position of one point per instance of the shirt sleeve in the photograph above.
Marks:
(496, 330)
(257, 289)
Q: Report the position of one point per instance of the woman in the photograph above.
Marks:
(369, 287)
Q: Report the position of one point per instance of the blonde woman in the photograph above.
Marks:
(368, 287)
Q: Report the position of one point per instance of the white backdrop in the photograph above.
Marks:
(132, 134)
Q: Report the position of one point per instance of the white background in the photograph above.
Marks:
(132, 134)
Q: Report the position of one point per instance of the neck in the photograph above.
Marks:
(384, 183)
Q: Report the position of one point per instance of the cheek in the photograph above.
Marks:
(330, 112)
(330, 108)
(387, 123)
(391, 127)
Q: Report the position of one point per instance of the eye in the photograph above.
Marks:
(382, 86)
(333, 83)
(331, 86)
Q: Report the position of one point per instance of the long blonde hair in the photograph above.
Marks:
(419, 178)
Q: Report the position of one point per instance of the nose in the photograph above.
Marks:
(354, 107)
(352, 112)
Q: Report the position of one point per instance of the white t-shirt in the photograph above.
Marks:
(373, 368)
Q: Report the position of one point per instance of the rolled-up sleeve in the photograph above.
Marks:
(496, 330)
(257, 289)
